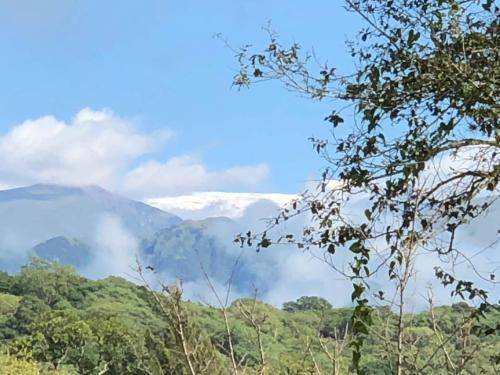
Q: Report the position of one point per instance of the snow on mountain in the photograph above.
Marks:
(215, 204)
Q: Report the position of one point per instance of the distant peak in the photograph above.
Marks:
(64, 188)
(95, 188)
(45, 191)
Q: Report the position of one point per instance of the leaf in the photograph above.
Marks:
(356, 247)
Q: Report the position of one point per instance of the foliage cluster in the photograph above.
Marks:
(55, 321)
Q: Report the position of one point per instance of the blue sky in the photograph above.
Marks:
(157, 64)
(172, 124)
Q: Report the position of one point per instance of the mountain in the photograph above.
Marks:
(201, 205)
(186, 250)
(64, 250)
(34, 214)
(192, 248)
(101, 233)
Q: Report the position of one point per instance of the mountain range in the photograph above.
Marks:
(101, 233)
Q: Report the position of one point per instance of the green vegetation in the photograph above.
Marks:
(55, 321)
(180, 249)
(64, 250)
(415, 130)
(177, 250)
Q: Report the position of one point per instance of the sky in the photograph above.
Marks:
(137, 97)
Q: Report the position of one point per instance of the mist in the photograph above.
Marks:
(116, 250)
(284, 273)
(115, 231)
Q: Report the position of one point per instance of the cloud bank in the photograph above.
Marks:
(100, 148)
(186, 173)
(116, 249)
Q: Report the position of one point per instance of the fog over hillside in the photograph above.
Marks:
(102, 234)
(31, 215)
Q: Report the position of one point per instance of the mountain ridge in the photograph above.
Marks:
(34, 214)
(101, 233)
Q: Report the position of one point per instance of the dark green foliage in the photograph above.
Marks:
(66, 251)
(51, 283)
(317, 304)
(114, 325)
(182, 249)
(5, 281)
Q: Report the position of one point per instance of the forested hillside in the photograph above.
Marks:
(54, 321)
(371, 250)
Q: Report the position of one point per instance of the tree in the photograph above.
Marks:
(12, 366)
(194, 351)
(58, 336)
(50, 282)
(307, 304)
(120, 328)
(5, 281)
(421, 145)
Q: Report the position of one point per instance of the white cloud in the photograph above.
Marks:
(94, 148)
(183, 174)
(300, 274)
(100, 148)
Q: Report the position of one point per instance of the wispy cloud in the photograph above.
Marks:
(186, 173)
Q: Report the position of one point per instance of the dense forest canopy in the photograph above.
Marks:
(54, 321)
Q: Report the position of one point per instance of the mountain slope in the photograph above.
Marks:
(186, 250)
(66, 251)
(31, 215)
(191, 248)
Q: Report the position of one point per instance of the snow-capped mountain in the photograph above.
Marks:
(214, 204)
